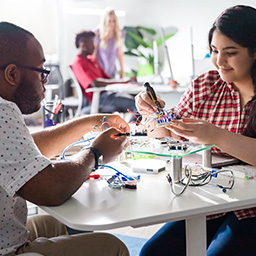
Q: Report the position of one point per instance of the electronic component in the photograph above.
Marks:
(170, 143)
(161, 142)
(153, 166)
(161, 123)
(131, 184)
(166, 118)
(177, 147)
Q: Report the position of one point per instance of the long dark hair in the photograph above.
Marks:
(239, 24)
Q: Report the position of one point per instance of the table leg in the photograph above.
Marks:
(95, 102)
(176, 169)
(207, 158)
(196, 236)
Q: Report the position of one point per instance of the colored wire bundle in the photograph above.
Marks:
(202, 179)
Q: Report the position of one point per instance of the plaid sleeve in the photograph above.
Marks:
(185, 105)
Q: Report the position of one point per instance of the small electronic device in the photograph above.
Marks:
(163, 122)
(153, 166)
(163, 117)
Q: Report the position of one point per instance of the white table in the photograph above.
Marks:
(159, 88)
(95, 206)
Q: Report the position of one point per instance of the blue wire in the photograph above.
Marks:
(77, 142)
(108, 166)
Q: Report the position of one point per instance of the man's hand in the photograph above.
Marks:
(118, 122)
(110, 145)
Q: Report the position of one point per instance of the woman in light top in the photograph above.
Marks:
(109, 41)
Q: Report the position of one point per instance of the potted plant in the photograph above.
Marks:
(139, 43)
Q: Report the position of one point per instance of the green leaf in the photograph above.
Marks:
(130, 42)
(138, 39)
(151, 31)
(145, 70)
(130, 53)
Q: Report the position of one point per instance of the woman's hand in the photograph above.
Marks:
(145, 105)
(196, 130)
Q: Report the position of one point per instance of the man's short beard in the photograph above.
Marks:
(26, 98)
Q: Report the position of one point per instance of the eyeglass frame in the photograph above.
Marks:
(44, 71)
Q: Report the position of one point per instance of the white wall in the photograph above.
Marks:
(182, 14)
(37, 16)
(55, 24)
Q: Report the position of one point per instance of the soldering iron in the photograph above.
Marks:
(151, 93)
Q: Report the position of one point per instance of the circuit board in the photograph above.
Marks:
(166, 147)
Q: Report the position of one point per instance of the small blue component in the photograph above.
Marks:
(214, 175)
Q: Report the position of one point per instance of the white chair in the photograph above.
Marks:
(80, 99)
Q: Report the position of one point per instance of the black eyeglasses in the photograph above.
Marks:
(44, 72)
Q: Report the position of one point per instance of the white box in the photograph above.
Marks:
(148, 165)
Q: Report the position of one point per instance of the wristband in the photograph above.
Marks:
(97, 155)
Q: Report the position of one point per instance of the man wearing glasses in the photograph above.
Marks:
(26, 171)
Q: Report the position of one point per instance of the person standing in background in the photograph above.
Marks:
(109, 42)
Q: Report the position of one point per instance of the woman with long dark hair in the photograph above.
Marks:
(223, 102)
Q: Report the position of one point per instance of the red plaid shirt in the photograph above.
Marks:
(216, 101)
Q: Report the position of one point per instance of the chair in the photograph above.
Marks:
(82, 101)
(56, 85)
(55, 82)
(86, 105)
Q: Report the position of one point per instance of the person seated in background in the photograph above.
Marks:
(89, 74)
(27, 173)
(109, 41)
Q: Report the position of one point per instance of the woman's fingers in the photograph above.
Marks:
(144, 103)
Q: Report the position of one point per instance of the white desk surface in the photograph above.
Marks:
(159, 88)
(95, 206)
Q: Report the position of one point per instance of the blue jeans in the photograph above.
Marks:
(226, 236)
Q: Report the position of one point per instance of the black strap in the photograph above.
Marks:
(97, 155)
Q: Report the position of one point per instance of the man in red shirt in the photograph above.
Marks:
(89, 74)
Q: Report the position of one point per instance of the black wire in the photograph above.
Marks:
(203, 179)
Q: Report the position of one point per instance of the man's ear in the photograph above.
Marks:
(12, 74)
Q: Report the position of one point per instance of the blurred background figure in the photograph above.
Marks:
(109, 42)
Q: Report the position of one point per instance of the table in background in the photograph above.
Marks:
(95, 206)
(128, 88)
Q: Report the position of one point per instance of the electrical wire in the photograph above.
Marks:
(169, 178)
(202, 179)
(73, 144)
(110, 167)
